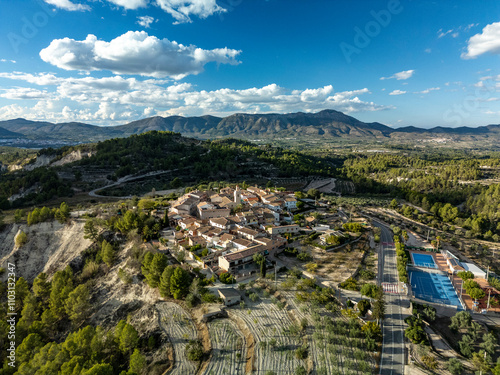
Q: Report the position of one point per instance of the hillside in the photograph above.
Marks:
(160, 160)
(329, 125)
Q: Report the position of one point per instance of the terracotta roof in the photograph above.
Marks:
(242, 242)
(244, 253)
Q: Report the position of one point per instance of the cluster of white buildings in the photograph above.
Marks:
(234, 225)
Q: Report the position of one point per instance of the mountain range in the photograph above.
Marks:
(327, 124)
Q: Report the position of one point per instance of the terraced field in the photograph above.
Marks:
(228, 349)
(337, 344)
(180, 329)
(274, 346)
(276, 326)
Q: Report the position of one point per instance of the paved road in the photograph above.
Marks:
(128, 178)
(393, 350)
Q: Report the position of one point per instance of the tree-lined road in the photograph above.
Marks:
(393, 349)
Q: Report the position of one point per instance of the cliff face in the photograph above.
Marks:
(51, 246)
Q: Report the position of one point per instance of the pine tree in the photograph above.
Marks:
(165, 281)
(137, 362)
(77, 305)
(129, 338)
(41, 287)
(108, 253)
(179, 283)
(156, 269)
(22, 291)
(62, 285)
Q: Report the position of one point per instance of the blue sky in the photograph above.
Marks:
(422, 63)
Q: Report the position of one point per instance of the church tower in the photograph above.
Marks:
(237, 195)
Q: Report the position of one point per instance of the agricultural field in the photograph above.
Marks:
(284, 327)
(180, 329)
(270, 326)
(228, 348)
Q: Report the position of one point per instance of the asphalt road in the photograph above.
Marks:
(393, 349)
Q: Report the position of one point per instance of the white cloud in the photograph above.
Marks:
(427, 50)
(67, 5)
(426, 91)
(22, 93)
(486, 42)
(405, 74)
(181, 10)
(397, 92)
(145, 21)
(130, 4)
(114, 99)
(442, 33)
(134, 53)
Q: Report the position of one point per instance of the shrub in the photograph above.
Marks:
(21, 239)
(304, 257)
(194, 351)
(226, 278)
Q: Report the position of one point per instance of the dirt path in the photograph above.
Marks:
(249, 339)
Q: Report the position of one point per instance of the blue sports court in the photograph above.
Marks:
(433, 287)
(423, 260)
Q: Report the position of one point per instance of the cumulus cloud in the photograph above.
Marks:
(130, 4)
(112, 99)
(67, 5)
(23, 93)
(134, 52)
(486, 42)
(397, 92)
(181, 10)
(405, 74)
(145, 21)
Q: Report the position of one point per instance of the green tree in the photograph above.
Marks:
(363, 306)
(18, 215)
(21, 239)
(41, 287)
(129, 338)
(61, 286)
(156, 268)
(179, 283)
(394, 204)
(77, 305)
(62, 214)
(22, 291)
(481, 363)
(165, 281)
(476, 293)
(489, 343)
(108, 253)
(90, 230)
(454, 366)
(370, 290)
(378, 310)
(372, 330)
(99, 369)
(261, 261)
(137, 362)
(28, 348)
(466, 345)
(465, 275)
(461, 319)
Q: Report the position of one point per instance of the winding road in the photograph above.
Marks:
(392, 361)
(93, 193)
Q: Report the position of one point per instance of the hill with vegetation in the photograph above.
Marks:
(326, 125)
